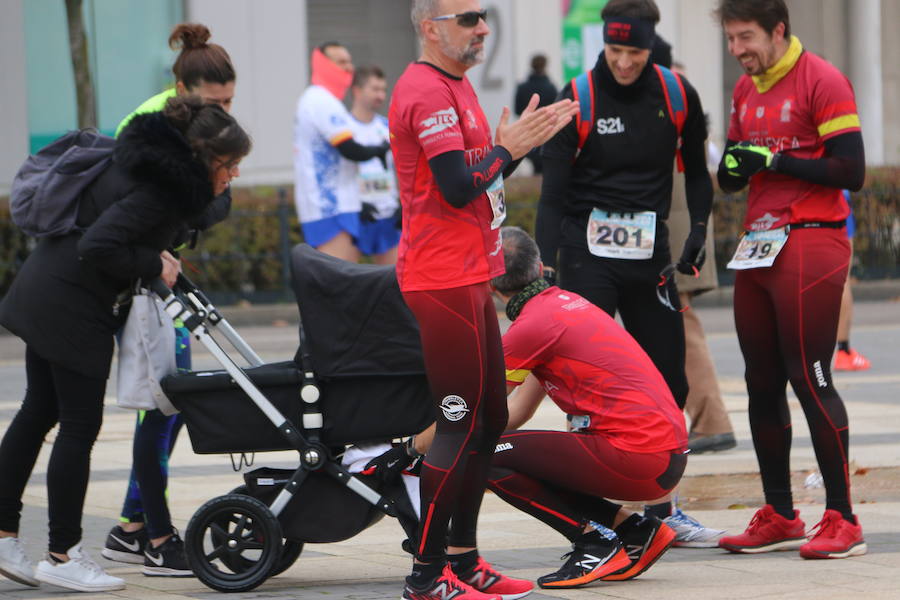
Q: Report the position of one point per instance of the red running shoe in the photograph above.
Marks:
(768, 531)
(445, 587)
(850, 361)
(486, 579)
(835, 537)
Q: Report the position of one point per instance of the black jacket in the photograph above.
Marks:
(535, 84)
(626, 168)
(63, 301)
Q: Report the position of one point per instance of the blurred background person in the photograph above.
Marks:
(325, 156)
(711, 429)
(379, 227)
(537, 83)
(846, 358)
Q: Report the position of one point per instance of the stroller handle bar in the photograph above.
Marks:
(200, 302)
(194, 321)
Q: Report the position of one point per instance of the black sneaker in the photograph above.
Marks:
(122, 546)
(645, 539)
(167, 560)
(588, 561)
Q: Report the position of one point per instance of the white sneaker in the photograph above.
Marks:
(691, 534)
(80, 573)
(14, 564)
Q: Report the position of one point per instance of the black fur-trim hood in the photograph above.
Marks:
(153, 151)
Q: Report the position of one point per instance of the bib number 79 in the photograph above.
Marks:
(760, 250)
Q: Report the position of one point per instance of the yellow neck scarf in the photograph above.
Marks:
(776, 72)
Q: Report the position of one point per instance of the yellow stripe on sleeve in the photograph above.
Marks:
(839, 123)
(341, 138)
(517, 375)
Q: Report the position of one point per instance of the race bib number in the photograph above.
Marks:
(758, 249)
(621, 235)
(498, 202)
(374, 185)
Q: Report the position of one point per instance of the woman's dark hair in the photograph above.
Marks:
(632, 9)
(199, 60)
(768, 13)
(210, 131)
(539, 64)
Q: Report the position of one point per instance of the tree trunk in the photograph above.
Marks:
(84, 87)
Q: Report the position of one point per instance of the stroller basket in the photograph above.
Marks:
(221, 418)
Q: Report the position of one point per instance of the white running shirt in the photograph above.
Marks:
(325, 182)
(376, 185)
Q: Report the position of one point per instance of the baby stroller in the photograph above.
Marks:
(357, 377)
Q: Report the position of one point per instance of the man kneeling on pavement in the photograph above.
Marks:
(628, 437)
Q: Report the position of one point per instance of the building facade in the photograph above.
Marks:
(270, 43)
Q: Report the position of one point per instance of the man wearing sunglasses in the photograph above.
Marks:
(450, 170)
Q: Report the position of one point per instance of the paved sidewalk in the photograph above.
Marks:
(372, 565)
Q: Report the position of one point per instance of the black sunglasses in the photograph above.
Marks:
(466, 19)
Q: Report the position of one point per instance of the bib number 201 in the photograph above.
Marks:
(621, 235)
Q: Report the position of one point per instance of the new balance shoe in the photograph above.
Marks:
(768, 531)
(850, 361)
(691, 534)
(14, 563)
(167, 560)
(125, 546)
(835, 537)
(485, 578)
(79, 573)
(588, 561)
(644, 539)
(444, 587)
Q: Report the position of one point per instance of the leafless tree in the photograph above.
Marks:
(78, 48)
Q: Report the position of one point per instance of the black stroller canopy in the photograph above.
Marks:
(354, 318)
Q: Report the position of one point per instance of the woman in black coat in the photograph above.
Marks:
(70, 298)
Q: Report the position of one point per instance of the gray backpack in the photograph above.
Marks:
(43, 201)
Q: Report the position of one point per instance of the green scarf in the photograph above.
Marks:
(517, 302)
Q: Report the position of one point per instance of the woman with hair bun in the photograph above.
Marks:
(202, 69)
(70, 298)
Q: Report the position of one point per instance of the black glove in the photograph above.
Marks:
(745, 160)
(368, 213)
(382, 154)
(694, 254)
(391, 464)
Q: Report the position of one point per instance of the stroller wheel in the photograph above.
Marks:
(290, 549)
(233, 542)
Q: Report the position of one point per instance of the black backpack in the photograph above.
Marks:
(43, 201)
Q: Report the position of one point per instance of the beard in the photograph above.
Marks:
(762, 62)
(469, 55)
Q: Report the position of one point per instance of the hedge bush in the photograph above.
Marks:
(242, 257)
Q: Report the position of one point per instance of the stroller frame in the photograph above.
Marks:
(261, 528)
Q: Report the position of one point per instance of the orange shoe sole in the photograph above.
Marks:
(616, 563)
(662, 541)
